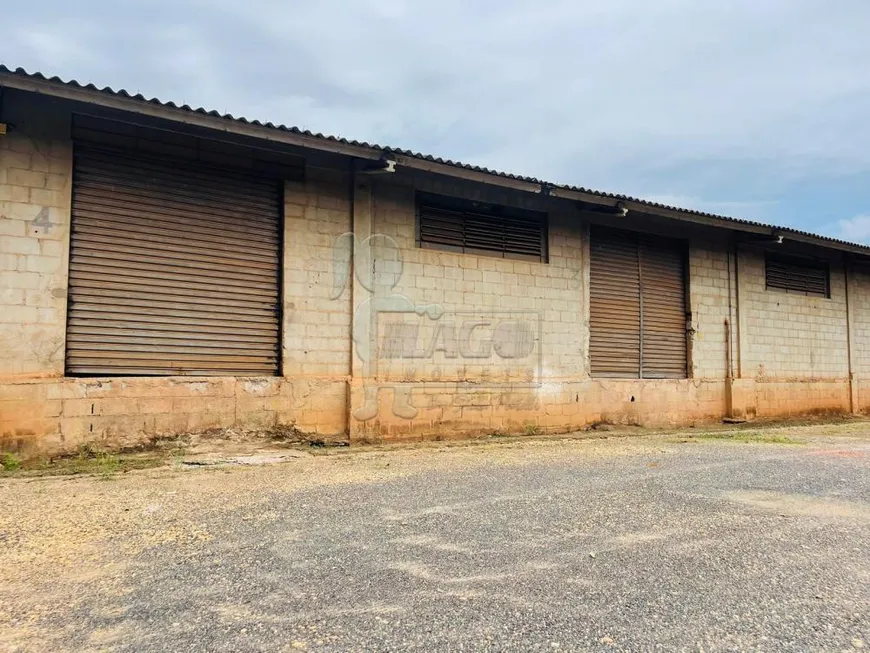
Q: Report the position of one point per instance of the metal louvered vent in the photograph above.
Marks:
(174, 267)
(797, 275)
(477, 228)
(637, 307)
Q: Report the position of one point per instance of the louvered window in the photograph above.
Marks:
(637, 305)
(479, 228)
(797, 275)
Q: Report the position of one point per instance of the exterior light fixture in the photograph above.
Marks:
(381, 166)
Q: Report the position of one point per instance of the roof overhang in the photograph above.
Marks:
(213, 120)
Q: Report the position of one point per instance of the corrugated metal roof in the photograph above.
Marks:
(382, 149)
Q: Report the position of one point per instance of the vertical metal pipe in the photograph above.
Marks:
(728, 373)
(729, 379)
(853, 408)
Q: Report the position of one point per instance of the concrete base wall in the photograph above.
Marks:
(800, 397)
(53, 415)
(468, 409)
(862, 394)
(460, 410)
(60, 414)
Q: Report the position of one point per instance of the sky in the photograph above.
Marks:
(753, 109)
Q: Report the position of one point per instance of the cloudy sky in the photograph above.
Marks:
(751, 108)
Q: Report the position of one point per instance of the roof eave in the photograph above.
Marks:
(123, 101)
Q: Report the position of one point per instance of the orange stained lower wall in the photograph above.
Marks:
(60, 414)
(862, 395)
(467, 409)
(783, 398)
(53, 414)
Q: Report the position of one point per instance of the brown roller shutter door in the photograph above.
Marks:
(663, 308)
(614, 287)
(637, 305)
(174, 268)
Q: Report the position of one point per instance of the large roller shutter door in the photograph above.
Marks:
(614, 294)
(637, 305)
(174, 267)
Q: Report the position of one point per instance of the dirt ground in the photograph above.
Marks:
(80, 555)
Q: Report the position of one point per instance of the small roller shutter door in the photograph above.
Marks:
(637, 305)
(614, 294)
(174, 267)
(663, 308)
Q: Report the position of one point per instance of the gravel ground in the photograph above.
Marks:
(623, 544)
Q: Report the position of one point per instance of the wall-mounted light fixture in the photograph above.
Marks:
(619, 209)
(381, 166)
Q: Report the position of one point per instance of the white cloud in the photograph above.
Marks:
(741, 100)
(856, 230)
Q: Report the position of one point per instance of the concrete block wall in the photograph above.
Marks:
(40, 409)
(790, 351)
(316, 356)
(775, 398)
(859, 304)
(60, 414)
(316, 324)
(794, 349)
(35, 186)
(788, 335)
(453, 395)
(460, 394)
(710, 281)
(551, 292)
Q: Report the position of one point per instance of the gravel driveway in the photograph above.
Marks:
(623, 544)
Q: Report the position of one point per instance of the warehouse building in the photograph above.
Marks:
(168, 270)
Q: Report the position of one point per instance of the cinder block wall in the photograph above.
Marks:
(790, 352)
(794, 346)
(35, 178)
(859, 298)
(40, 409)
(554, 292)
(316, 355)
(456, 397)
(790, 335)
(711, 284)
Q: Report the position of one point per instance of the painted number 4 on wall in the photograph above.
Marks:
(42, 221)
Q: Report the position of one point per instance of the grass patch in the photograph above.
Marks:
(744, 436)
(9, 462)
(87, 460)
